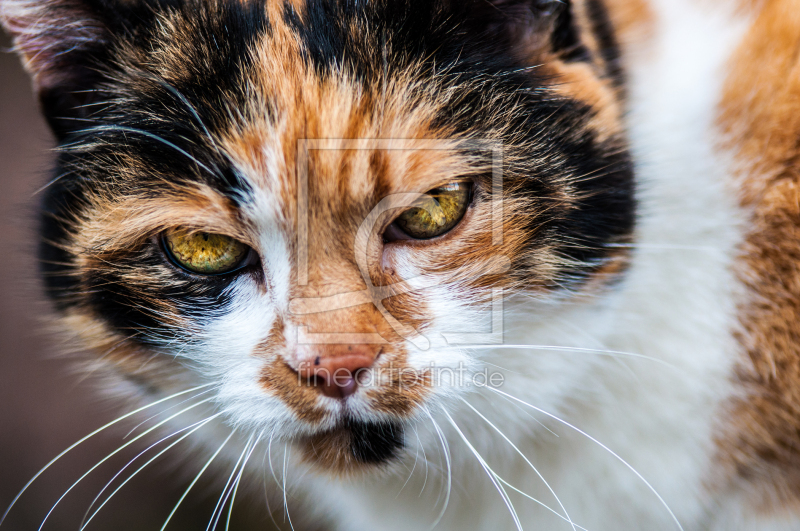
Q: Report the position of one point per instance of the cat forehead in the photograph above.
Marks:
(347, 138)
(277, 108)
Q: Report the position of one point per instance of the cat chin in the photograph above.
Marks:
(353, 447)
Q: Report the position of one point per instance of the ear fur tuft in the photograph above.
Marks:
(50, 35)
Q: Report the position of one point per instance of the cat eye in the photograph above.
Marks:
(434, 213)
(205, 253)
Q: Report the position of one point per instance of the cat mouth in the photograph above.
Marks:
(354, 445)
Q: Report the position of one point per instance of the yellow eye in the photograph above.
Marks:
(436, 212)
(204, 252)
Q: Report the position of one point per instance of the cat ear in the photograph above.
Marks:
(54, 37)
(525, 25)
(61, 43)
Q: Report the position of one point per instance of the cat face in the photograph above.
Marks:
(302, 203)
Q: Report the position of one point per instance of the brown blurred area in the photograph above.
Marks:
(44, 405)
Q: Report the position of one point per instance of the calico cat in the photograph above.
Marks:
(471, 264)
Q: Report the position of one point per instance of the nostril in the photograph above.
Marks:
(339, 374)
(344, 384)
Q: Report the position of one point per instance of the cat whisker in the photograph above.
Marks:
(268, 456)
(515, 489)
(140, 454)
(231, 487)
(148, 134)
(195, 480)
(239, 479)
(51, 183)
(94, 103)
(492, 475)
(165, 84)
(193, 428)
(109, 456)
(212, 523)
(528, 414)
(449, 468)
(421, 447)
(528, 68)
(410, 474)
(148, 419)
(663, 247)
(285, 498)
(92, 434)
(586, 350)
(565, 516)
(603, 446)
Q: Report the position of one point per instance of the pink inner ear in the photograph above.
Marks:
(50, 35)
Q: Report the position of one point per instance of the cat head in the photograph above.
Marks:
(314, 205)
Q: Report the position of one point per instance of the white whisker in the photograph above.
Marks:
(212, 523)
(95, 432)
(565, 516)
(109, 456)
(51, 182)
(446, 451)
(195, 480)
(228, 490)
(269, 457)
(285, 499)
(274, 476)
(159, 454)
(559, 348)
(515, 489)
(239, 479)
(153, 136)
(492, 475)
(151, 417)
(129, 463)
(665, 247)
(410, 474)
(424, 460)
(603, 446)
(164, 83)
(266, 487)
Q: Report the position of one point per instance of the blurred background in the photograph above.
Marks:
(44, 406)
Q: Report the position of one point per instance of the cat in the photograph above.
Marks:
(469, 264)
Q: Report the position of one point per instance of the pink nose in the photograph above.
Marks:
(335, 369)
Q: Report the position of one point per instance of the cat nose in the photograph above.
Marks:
(335, 368)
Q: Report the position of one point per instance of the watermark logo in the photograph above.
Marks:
(401, 377)
(376, 295)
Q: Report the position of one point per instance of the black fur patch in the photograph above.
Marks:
(374, 443)
(566, 35)
(123, 110)
(607, 40)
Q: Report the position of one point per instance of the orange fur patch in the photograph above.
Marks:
(579, 81)
(760, 115)
(632, 20)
